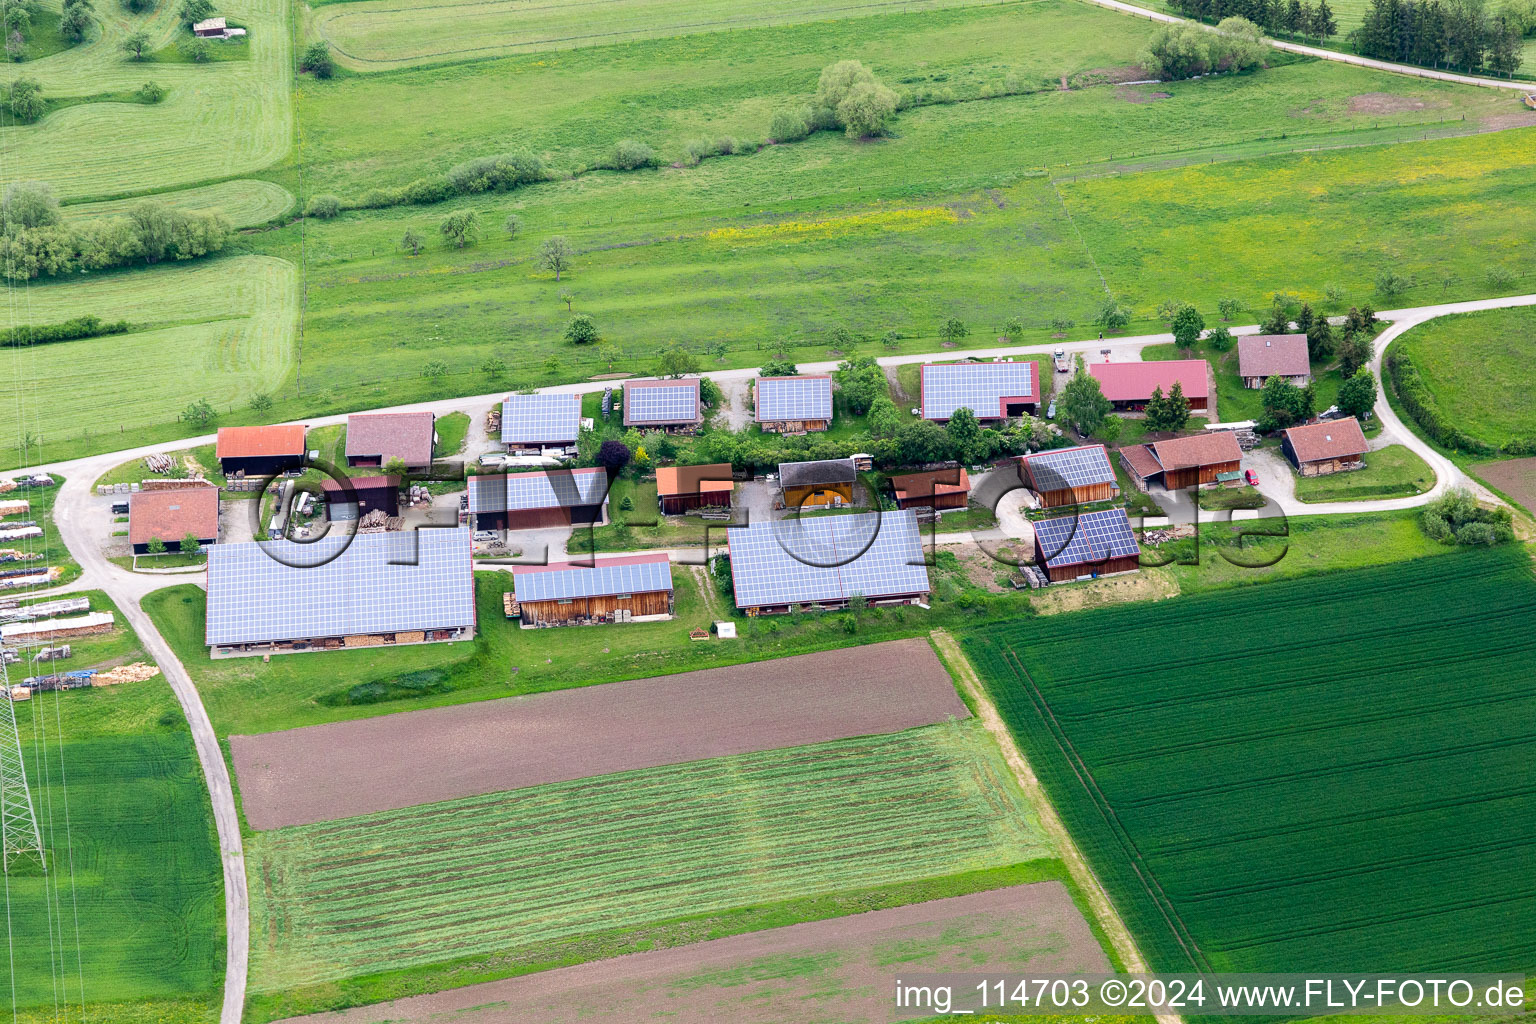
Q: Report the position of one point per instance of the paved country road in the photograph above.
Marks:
(73, 512)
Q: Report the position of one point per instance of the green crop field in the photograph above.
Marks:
(1390, 472)
(445, 880)
(246, 202)
(1481, 368)
(217, 329)
(217, 120)
(131, 912)
(372, 35)
(1332, 770)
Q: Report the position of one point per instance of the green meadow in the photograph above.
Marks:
(1479, 367)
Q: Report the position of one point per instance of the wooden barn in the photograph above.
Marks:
(631, 588)
(681, 488)
(793, 405)
(260, 451)
(663, 404)
(937, 488)
(822, 484)
(1086, 546)
(1129, 386)
(1330, 446)
(546, 498)
(1070, 476)
(366, 494)
(1184, 461)
(1262, 356)
(168, 516)
(375, 438)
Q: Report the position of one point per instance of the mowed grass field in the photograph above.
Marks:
(246, 202)
(1390, 472)
(217, 120)
(1481, 368)
(130, 919)
(377, 34)
(1272, 778)
(441, 881)
(220, 329)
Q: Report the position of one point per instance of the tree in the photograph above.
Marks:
(28, 205)
(512, 225)
(883, 420)
(860, 381)
(436, 369)
(867, 111)
(75, 20)
(1220, 339)
(608, 353)
(556, 254)
(1060, 326)
(151, 92)
(1167, 310)
(1083, 402)
(1357, 395)
(411, 242)
(261, 402)
(1112, 317)
(1013, 329)
(581, 330)
(190, 12)
(317, 60)
(1284, 403)
(156, 546)
(1306, 318)
(677, 362)
(709, 392)
(1320, 340)
(1229, 308)
(199, 413)
(964, 435)
(1187, 326)
(1391, 284)
(1278, 322)
(1176, 409)
(16, 46)
(1323, 24)
(461, 227)
(891, 339)
(953, 331)
(136, 45)
(17, 18)
(778, 368)
(921, 442)
(1354, 351)
(494, 367)
(1155, 414)
(190, 544)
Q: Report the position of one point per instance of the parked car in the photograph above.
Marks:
(1251, 477)
(119, 508)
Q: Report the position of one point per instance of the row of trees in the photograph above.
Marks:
(35, 241)
(1291, 17)
(1435, 33)
(1185, 50)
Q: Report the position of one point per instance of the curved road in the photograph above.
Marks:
(73, 509)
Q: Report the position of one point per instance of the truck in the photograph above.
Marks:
(1063, 364)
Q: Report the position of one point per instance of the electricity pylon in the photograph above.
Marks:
(19, 834)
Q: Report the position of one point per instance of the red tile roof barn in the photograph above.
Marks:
(1330, 439)
(404, 435)
(1208, 449)
(257, 442)
(171, 515)
(1134, 382)
(713, 478)
(1273, 355)
(360, 483)
(931, 484)
(1141, 460)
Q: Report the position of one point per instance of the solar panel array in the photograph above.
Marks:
(254, 597)
(596, 581)
(827, 558)
(1073, 540)
(540, 419)
(979, 387)
(555, 489)
(1071, 467)
(793, 398)
(667, 403)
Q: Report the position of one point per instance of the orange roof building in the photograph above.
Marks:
(169, 515)
(260, 451)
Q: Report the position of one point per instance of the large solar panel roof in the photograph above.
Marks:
(600, 580)
(980, 387)
(827, 558)
(794, 398)
(255, 597)
(673, 402)
(1073, 540)
(554, 489)
(540, 419)
(1071, 467)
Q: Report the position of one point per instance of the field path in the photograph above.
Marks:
(1104, 911)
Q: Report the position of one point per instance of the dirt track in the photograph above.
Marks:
(325, 772)
(837, 970)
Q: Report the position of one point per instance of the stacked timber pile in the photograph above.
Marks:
(45, 609)
(373, 522)
(17, 555)
(15, 507)
(135, 673)
(174, 485)
(11, 578)
(48, 629)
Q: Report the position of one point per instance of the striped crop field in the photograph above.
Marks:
(246, 202)
(495, 873)
(1335, 770)
(216, 329)
(218, 119)
(374, 35)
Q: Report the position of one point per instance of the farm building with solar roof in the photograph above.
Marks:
(540, 421)
(363, 590)
(794, 405)
(1070, 476)
(630, 588)
(663, 404)
(993, 391)
(547, 498)
(1075, 547)
(780, 566)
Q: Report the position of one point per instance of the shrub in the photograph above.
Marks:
(789, 126)
(1220, 339)
(195, 50)
(582, 330)
(323, 206)
(316, 59)
(493, 173)
(1456, 518)
(726, 145)
(698, 149)
(151, 92)
(631, 155)
(1500, 277)
(25, 99)
(1390, 283)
